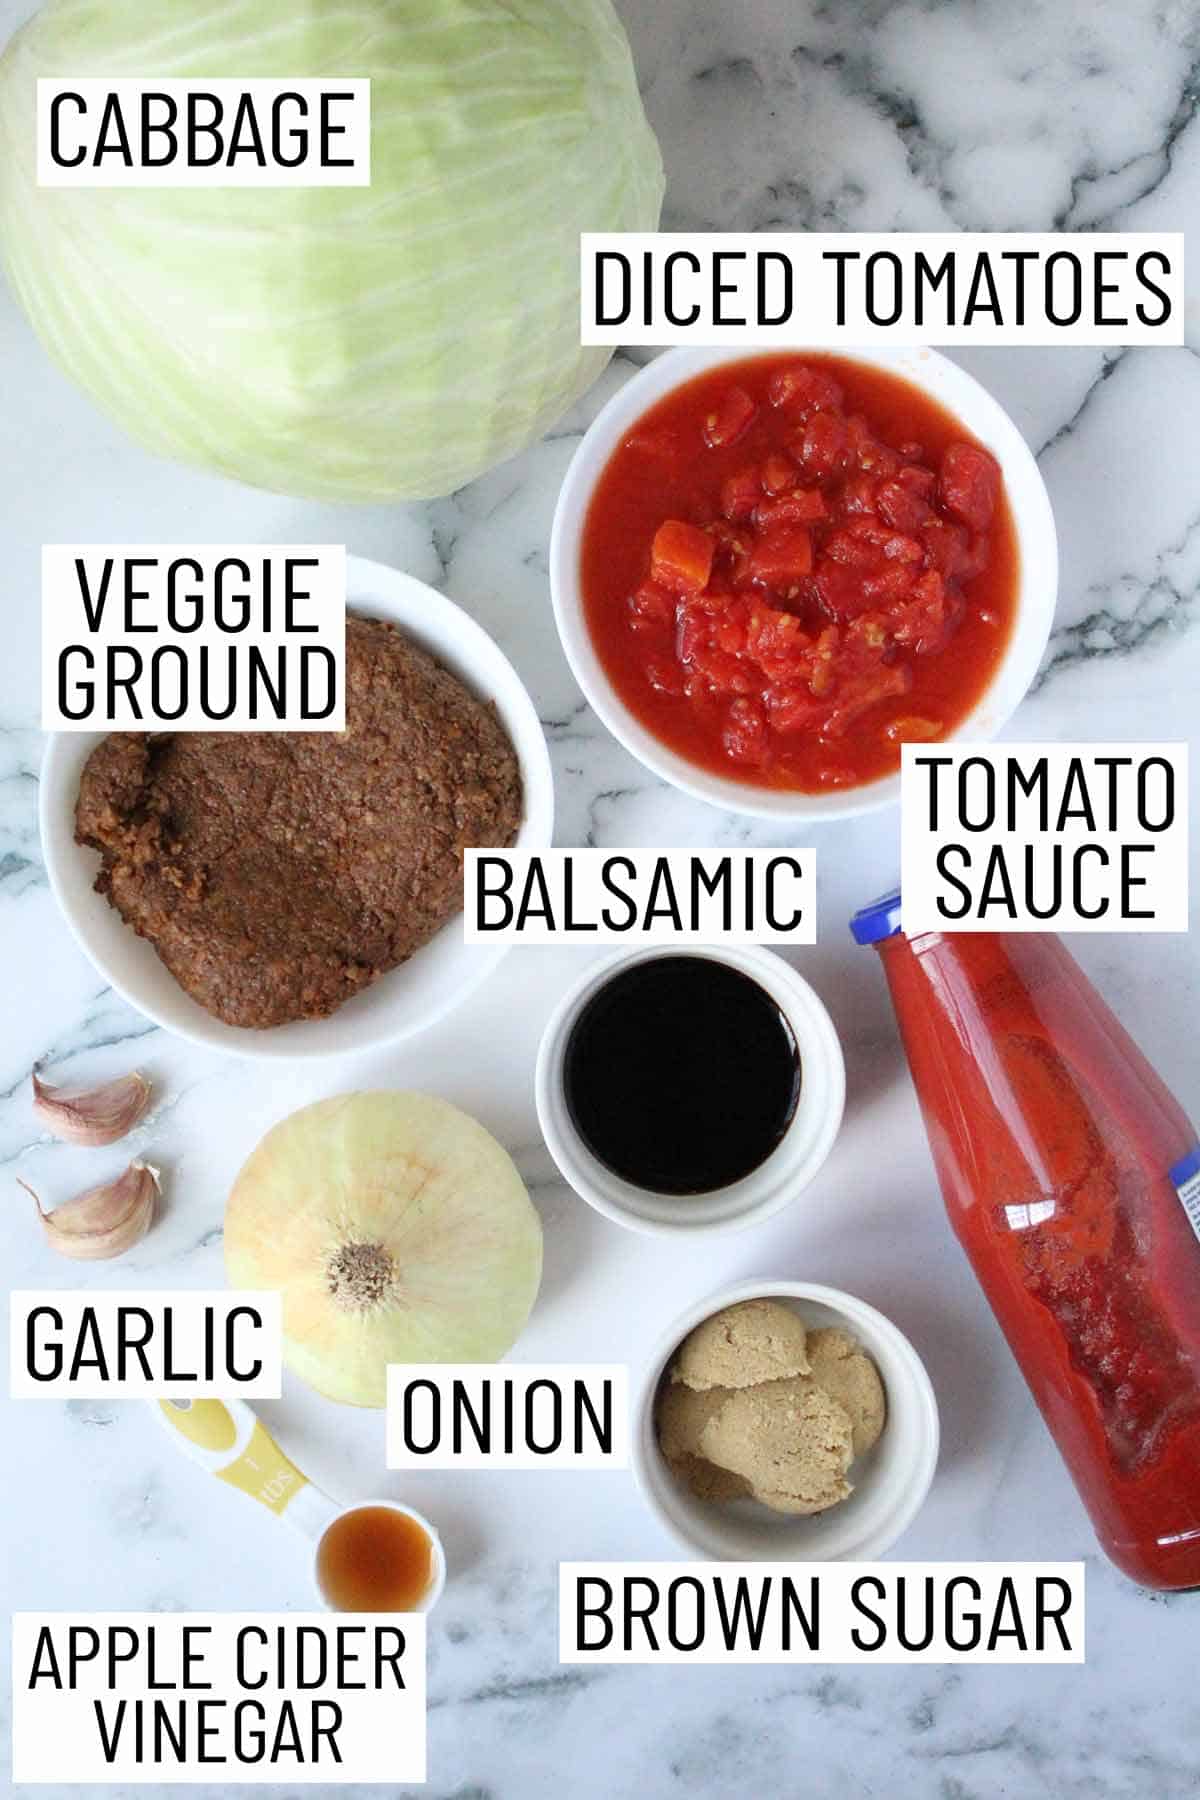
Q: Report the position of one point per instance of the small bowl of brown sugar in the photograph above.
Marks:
(295, 894)
(785, 1421)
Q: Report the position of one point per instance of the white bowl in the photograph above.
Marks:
(1033, 521)
(791, 1166)
(890, 1482)
(402, 1002)
(437, 1553)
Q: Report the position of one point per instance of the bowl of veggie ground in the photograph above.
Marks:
(770, 572)
(403, 1000)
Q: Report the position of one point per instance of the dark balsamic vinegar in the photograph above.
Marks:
(681, 1075)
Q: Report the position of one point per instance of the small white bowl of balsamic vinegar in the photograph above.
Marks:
(692, 1090)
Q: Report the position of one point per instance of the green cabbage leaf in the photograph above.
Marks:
(339, 343)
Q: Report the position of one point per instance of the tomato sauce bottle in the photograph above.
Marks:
(1072, 1179)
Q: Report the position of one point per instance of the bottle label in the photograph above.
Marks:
(1186, 1177)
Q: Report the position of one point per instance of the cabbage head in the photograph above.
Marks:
(341, 343)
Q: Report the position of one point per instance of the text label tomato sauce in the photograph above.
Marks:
(791, 566)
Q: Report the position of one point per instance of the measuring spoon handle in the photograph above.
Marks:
(228, 1438)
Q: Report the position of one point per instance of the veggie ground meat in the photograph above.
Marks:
(279, 873)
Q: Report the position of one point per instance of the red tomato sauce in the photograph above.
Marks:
(1053, 1138)
(793, 565)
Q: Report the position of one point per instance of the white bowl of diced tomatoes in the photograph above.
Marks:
(769, 572)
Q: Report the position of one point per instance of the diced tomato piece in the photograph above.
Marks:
(858, 433)
(803, 387)
(841, 590)
(824, 446)
(970, 482)
(861, 692)
(653, 603)
(803, 506)
(902, 508)
(866, 640)
(822, 661)
(865, 450)
(772, 632)
(921, 621)
(946, 548)
(745, 736)
(913, 730)
(732, 416)
(895, 582)
(911, 451)
(664, 676)
(729, 633)
(792, 708)
(852, 548)
(930, 590)
(810, 504)
(778, 643)
(919, 480)
(710, 600)
(859, 495)
(722, 673)
(781, 557)
(681, 557)
(779, 473)
(870, 530)
(949, 550)
(898, 548)
(703, 627)
(876, 459)
(893, 545)
(740, 494)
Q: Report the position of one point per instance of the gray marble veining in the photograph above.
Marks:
(861, 114)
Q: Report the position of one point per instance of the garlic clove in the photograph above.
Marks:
(104, 1221)
(97, 1116)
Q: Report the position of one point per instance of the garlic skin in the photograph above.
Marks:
(98, 1115)
(104, 1221)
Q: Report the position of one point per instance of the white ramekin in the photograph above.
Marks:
(890, 1483)
(436, 978)
(1033, 521)
(437, 1555)
(792, 1165)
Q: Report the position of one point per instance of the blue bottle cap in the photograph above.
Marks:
(881, 919)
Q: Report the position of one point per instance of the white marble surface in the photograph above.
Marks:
(857, 113)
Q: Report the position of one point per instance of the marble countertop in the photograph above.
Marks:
(871, 114)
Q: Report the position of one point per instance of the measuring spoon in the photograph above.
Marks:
(227, 1438)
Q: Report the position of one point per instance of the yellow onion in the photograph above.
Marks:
(397, 1231)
